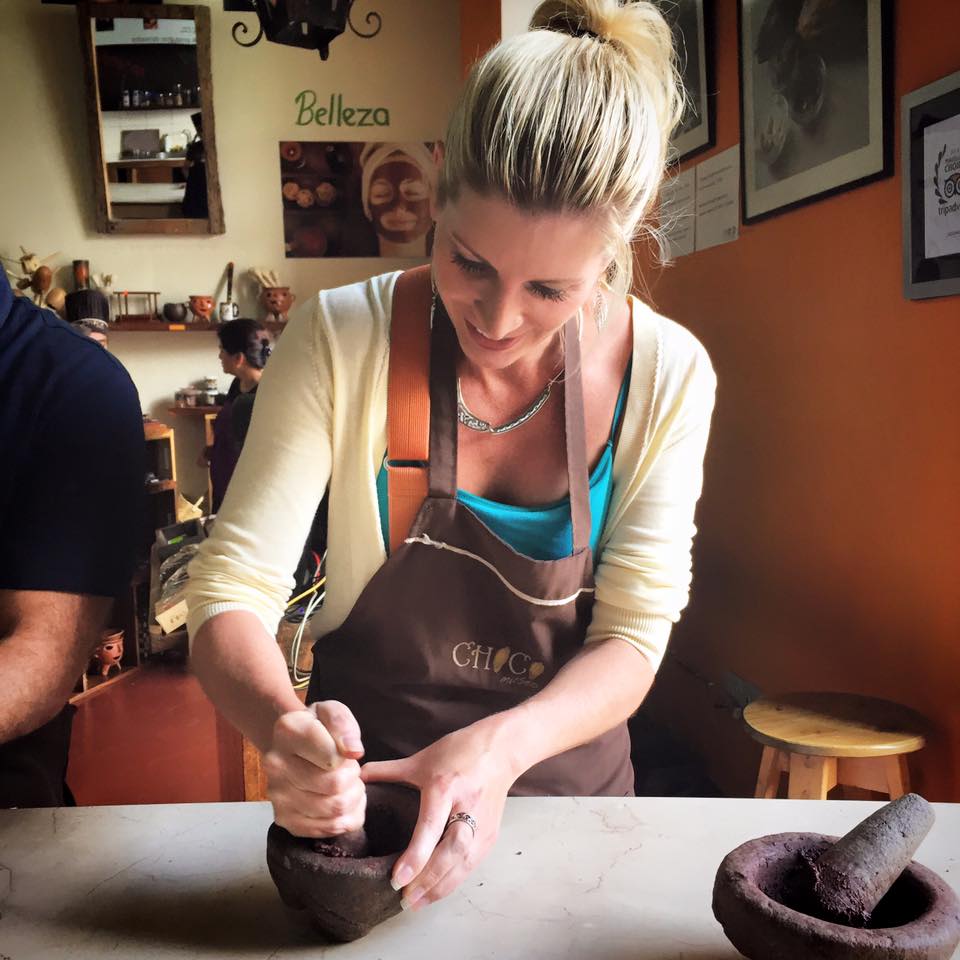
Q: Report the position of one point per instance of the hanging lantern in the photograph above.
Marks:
(311, 24)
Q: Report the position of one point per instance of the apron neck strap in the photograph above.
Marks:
(443, 405)
(578, 475)
(408, 401)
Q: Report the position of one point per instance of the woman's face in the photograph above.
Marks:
(230, 362)
(400, 201)
(510, 279)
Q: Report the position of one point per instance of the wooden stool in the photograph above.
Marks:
(824, 739)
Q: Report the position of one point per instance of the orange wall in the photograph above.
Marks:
(830, 521)
(479, 29)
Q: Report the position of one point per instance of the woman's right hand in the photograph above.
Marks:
(313, 778)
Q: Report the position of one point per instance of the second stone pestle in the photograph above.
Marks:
(851, 877)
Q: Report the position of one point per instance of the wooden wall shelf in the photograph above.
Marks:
(160, 326)
(148, 109)
(199, 411)
(155, 430)
(96, 685)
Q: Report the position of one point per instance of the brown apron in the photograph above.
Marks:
(456, 625)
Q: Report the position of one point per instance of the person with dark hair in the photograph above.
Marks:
(245, 346)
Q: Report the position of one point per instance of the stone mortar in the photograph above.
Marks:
(757, 899)
(347, 897)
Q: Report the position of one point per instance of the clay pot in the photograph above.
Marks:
(175, 312)
(109, 652)
(756, 899)
(201, 307)
(347, 897)
(277, 301)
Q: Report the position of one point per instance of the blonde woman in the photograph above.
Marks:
(501, 645)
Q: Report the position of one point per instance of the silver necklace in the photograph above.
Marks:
(474, 422)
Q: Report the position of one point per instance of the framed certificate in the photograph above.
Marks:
(930, 150)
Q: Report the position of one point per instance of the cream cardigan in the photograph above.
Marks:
(320, 418)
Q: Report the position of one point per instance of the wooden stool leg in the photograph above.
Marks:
(898, 776)
(811, 777)
(768, 781)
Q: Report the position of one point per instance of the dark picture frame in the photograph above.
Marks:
(816, 101)
(930, 155)
(692, 22)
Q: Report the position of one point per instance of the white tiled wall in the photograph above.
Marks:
(166, 121)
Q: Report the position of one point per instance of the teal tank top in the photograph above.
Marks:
(542, 533)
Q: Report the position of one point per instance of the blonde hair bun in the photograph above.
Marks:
(573, 115)
(639, 31)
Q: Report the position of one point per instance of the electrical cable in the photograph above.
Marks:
(306, 593)
(301, 680)
(316, 595)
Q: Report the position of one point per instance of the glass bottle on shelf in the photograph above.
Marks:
(178, 96)
(125, 99)
(135, 98)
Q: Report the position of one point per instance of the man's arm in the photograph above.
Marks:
(68, 545)
(46, 640)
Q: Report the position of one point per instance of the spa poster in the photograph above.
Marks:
(343, 199)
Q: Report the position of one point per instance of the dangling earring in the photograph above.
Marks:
(600, 310)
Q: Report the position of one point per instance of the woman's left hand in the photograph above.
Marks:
(460, 773)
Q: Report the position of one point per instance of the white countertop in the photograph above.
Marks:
(598, 878)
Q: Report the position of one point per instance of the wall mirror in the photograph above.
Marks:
(149, 94)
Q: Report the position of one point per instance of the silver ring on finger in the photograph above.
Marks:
(463, 817)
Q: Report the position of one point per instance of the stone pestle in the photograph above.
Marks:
(353, 844)
(851, 877)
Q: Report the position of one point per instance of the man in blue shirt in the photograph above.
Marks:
(71, 489)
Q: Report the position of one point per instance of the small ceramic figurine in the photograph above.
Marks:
(109, 652)
(34, 275)
(56, 300)
(201, 306)
(277, 301)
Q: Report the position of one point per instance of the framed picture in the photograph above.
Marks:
(357, 198)
(692, 25)
(930, 150)
(816, 100)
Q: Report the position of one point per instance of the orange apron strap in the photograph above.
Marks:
(408, 401)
